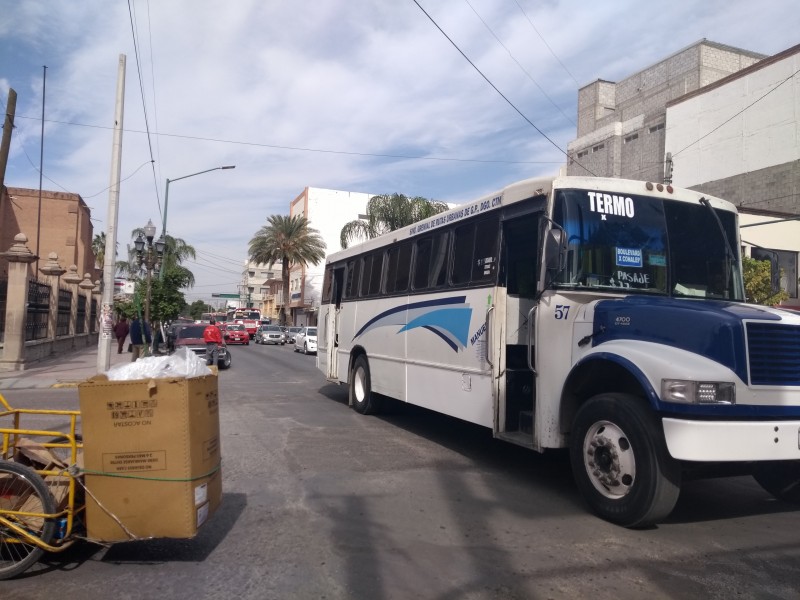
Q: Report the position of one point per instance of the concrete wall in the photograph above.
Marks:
(743, 132)
(628, 118)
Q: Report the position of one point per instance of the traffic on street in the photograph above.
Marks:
(320, 501)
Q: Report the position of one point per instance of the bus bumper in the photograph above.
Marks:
(727, 441)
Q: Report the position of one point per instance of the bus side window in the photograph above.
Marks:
(398, 264)
(422, 260)
(484, 264)
(372, 273)
(439, 259)
(463, 244)
(327, 284)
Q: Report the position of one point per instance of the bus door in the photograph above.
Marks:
(330, 323)
(519, 273)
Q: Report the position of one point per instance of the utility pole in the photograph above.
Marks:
(8, 126)
(106, 336)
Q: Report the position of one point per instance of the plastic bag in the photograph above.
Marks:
(183, 363)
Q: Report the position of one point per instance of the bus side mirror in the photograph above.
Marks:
(555, 250)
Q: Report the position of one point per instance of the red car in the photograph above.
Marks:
(251, 325)
(236, 333)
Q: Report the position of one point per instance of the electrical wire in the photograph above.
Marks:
(759, 99)
(494, 87)
(523, 69)
(144, 103)
(541, 37)
(317, 150)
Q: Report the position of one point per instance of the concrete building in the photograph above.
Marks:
(622, 126)
(327, 211)
(261, 288)
(62, 226)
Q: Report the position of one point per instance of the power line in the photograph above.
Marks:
(536, 83)
(317, 150)
(494, 87)
(144, 103)
(674, 154)
(563, 66)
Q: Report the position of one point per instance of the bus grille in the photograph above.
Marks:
(774, 354)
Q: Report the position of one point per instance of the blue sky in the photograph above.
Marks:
(323, 93)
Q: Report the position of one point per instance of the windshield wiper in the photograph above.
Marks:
(729, 254)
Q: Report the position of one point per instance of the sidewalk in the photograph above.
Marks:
(62, 371)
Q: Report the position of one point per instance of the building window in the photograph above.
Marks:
(655, 128)
(598, 147)
(583, 153)
(630, 138)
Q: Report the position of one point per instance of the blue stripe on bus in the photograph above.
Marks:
(450, 324)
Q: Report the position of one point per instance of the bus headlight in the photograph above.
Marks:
(698, 392)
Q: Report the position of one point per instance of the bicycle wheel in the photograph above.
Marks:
(23, 490)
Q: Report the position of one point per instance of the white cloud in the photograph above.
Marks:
(231, 84)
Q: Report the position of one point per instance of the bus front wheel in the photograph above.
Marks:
(620, 461)
(361, 397)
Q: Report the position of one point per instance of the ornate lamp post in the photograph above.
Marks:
(149, 255)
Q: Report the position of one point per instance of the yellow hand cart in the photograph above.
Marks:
(40, 508)
(148, 466)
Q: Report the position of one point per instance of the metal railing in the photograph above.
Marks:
(38, 310)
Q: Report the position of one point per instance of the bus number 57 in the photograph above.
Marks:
(562, 310)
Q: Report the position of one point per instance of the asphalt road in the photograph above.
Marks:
(321, 502)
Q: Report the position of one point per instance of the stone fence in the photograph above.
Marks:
(52, 315)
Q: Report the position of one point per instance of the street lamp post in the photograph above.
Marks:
(149, 255)
(166, 198)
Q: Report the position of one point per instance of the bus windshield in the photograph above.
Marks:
(648, 245)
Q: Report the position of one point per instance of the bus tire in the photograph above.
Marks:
(620, 461)
(780, 478)
(361, 397)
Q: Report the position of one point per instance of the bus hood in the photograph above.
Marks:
(725, 332)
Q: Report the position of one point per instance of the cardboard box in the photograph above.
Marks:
(151, 450)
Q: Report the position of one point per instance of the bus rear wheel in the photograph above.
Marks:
(620, 461)
(781, 479)
(361, 397)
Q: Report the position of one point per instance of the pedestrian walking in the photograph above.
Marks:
(121, 330)
(140, 335)
(213, 338)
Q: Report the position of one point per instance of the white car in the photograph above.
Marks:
(306, 340)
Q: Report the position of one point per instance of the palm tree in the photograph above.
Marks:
(99, 249)
(386, 213)
(292, 242)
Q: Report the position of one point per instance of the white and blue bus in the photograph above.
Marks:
(603, 315)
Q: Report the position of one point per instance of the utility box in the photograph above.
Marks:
(152, 461)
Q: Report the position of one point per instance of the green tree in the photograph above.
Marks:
(291, 241)
(197, 308)
(758, 282)
(166, 299)
(386, 213)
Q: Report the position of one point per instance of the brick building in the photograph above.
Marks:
(65, 227)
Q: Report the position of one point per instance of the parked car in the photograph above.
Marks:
(270, 334)
(306, 340)
(191, 337)
(237, 334)
(291, 332)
